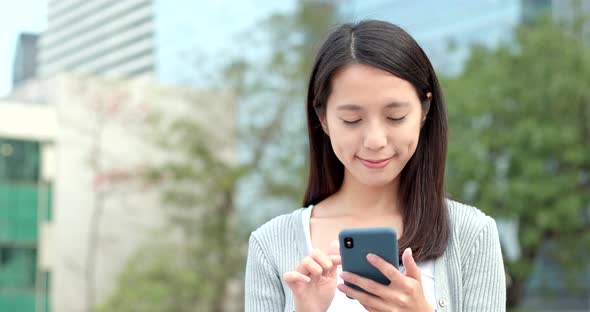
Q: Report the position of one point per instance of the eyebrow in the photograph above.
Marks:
(354, 107)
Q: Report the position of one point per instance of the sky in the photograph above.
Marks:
(16, 17)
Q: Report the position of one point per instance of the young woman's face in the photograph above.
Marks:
(373, 119)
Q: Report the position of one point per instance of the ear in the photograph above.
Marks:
(426, 108)
(322, 118)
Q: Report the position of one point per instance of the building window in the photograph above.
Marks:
(19, 160)
(18, 267)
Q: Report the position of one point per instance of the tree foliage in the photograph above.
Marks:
(520, 139)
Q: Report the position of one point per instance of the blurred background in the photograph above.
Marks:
(141, 141)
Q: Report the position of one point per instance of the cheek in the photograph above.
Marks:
(344, 142)
(408, 137)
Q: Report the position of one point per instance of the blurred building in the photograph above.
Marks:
(570, 10)
(113, 38)
(25, 59)
(168, 40)
(531, 9)
(73, 205)
(446, 30)
(26, 143)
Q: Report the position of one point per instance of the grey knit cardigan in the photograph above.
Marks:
(469, 276)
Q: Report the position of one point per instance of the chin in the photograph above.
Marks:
(376, 182)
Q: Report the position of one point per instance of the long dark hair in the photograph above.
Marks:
(422, 190)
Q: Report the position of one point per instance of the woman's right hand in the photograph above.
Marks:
(313, 282)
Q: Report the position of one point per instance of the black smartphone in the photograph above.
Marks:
(356, 243)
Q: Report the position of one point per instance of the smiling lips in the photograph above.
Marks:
(375, 164)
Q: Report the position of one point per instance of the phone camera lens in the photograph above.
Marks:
(348, 242)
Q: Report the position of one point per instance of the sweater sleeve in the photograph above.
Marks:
(484, 277)
(262, 287)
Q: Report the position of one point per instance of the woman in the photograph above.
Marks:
(377, 128)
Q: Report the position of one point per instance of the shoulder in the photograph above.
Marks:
(466, 218)
(468, 224)
(475, 259)
(278, 230)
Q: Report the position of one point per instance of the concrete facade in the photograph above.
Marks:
(98, 143)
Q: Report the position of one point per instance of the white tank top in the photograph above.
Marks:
(343, 303)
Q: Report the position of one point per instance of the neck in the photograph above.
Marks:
(362, 200)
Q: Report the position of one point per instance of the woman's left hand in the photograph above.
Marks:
(405, 292)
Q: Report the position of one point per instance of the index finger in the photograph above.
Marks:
(388, 269)
(334, 252)
(336, 259)
(334, 248)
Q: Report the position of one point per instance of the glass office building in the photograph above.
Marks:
(444, 29)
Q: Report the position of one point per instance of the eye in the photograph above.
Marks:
(396, 119)
(350, 122)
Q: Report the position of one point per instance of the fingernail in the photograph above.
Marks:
(344, 275)
(410, 251)
(372, 258)
(306, 279)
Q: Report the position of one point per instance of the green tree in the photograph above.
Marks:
(520, 140)
(273, 92)
(196, 271)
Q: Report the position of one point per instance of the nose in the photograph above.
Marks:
(375, 137)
